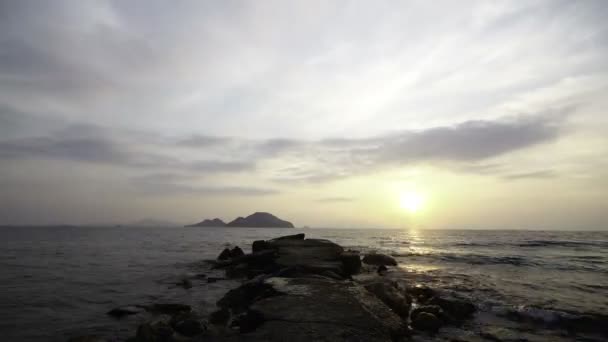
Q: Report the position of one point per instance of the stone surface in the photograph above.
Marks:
(125, 311)
(220, 317)
(351, 262)
(236, 252)
(456, 308)
(378, 259)
(322, 310)
(225, 255)
(189, 327)
(88, 338)
(290, 237)
(392, 297)
(170, 308)
(426, 321)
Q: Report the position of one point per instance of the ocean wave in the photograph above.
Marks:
(473, 259)
(551, 318)
(562, 243)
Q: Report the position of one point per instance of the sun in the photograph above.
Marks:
(411, 201)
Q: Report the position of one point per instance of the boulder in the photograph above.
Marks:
(456, 308)
(259, 245)
(220, 317)
(170, 308)
(88, 338)
(159, 331)
(226, 254)
(125, 311)
(290, 237)
(421, 293)
(381, 270)
(236, 252)
(378, 259)
(240, 298)
(189, 327)
(351, 262)
(433, 309)
(426, 321)
(392, 297)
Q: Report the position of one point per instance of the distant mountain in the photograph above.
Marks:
(216, 222)
(260, 220)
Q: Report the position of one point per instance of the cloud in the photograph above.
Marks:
(335, 199)
(543, 174)
(169, 188)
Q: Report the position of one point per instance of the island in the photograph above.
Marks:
(255, 220)
(216, 222)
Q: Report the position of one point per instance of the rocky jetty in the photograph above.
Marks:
(299, 289)
(260, 220)
(216, 222)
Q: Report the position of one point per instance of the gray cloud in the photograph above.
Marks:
(543, 174)
(335, 199)
(168, 189)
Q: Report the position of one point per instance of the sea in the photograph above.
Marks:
(59, 282)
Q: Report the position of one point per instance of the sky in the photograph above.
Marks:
(379, 114)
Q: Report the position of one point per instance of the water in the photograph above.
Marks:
(59, 282)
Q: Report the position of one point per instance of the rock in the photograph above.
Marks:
(259, 245)
(382, 269)
(88, 338)
(220, 317)
(213, 279)
(185, 283)
(189, 327)
(427, 322)
(433, 309)
(260, 220)
(421, 293)
(154, 332)
(225, 255)
(216, 222)
(351, 262)
(290, 237)
(379, 260)
(249, 321)
(392, 297)
(458, 309)
(322, 310)
(170, 308)
(125, 311)
(236, 252)
(240, 298)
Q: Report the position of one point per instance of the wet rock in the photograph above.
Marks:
(225, 255)
(456, 308)
(392, 297)
(220, 317)
(213, 279)
(259, 245)
(433, 309)
(351, 262)
(382, 269)
(379, 260)
(125, 311)
(88, 338)
(154, 332)
(170, 308)
(421, 293)
(426, 321)
(249, 321)
(189, 327)
(322, 310)
(290, 237)
(240, 298)
(185, 283)
(236, 252)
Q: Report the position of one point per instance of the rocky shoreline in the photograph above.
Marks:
(301, 289)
